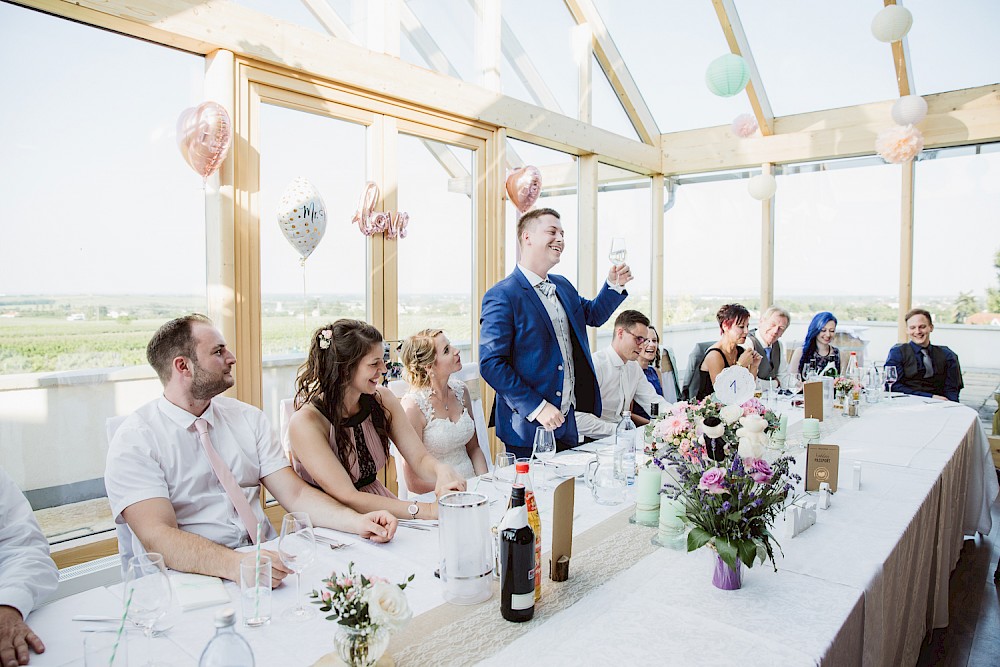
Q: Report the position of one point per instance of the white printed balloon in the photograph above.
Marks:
(302, 216)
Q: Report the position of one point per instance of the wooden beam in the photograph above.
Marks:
(906, 248)
(767, 246)
(732, 27)
(614, 67)
(424, 44)
(588, 280)
(901, 61)
(954, 118)
(656, 256)
(330, 20)
(583, 50)
(488, 49)
(249, 33)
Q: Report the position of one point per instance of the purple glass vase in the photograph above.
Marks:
(725, 577)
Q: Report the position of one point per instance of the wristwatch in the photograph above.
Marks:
(413, 509)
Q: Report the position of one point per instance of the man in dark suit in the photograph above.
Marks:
(533, 347)
(924, 369)
(773, 323)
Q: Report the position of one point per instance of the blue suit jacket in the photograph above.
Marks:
(519, 355)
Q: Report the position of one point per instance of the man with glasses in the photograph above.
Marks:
(621, 378)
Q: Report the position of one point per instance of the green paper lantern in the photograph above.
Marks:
(727, 75)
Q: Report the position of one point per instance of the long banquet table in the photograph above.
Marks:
(860, 587)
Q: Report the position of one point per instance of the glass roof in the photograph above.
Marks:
(954, 45)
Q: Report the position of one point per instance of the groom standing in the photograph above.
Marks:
(533, 347)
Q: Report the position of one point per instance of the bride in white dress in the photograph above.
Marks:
(438, 407)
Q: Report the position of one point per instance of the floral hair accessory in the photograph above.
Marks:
(324, 338)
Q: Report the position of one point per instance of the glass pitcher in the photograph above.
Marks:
(606, 484)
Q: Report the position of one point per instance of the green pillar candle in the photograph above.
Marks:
(782, 427)
(648, 501)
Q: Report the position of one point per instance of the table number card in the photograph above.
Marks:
(813, 395)
(822, 465)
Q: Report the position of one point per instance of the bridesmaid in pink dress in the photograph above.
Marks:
(339, 434)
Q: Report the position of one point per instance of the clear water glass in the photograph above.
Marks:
(147, 596)
(297, 548)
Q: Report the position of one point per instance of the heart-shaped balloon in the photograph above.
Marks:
(524, 185)
(302, 216)
(204, 134)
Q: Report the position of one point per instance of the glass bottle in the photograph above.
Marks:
(517, 560)
(227, 648)
(523, 477)
(625, 447)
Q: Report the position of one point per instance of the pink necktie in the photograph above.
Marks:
(227, 480)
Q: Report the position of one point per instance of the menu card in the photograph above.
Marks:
(813, 393)
(822, 465)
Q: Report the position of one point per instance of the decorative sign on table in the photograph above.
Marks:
(813, 393)
(562, 530)
(822, 465)
(734, 385)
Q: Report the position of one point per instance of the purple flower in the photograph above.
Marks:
(759, 470)
(713, 481)
(726, 506)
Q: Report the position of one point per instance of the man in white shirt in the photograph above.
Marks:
(160, 476)
(620, 377)
(773, 323)
(27, 574)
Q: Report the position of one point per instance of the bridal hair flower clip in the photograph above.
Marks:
(324, 338)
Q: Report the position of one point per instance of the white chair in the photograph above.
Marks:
(401, 490)
(285, 410)
(122, 531)
(399, 388)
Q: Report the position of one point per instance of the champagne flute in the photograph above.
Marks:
(891, 375)
(544, 450)
(297, 548)
(147, 596)
(618, 253)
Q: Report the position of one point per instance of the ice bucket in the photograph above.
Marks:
(466, 547)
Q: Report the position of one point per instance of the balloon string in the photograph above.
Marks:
(305, 304)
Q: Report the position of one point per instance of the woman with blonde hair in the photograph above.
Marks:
(438, 407)
(344, 418)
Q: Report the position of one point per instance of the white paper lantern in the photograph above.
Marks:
(892, 23)
(909, 110)
(762, 186)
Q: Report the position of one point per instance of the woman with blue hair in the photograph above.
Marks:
(817, 350)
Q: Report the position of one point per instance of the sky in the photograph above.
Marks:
(98, 200)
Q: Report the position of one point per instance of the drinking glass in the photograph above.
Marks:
(147, 595)
(891, 375)
(618, 252)
(503, 472)
(544, 450)
(297, 548)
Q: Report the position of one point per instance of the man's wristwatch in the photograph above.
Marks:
(413, 509)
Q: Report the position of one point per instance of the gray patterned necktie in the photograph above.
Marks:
(928, 364)
(547, 288)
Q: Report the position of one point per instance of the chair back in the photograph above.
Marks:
(669, 378)
(693, 382)
(285, 411)
(401, 490)
(122, 531)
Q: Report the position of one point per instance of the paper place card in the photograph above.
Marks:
(822, 465)
(562, 530)
(194, 591)
(813, 394)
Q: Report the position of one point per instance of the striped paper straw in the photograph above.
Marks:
(256, 577)
(121, 628)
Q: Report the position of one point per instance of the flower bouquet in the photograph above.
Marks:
(730, 493)
(367, 610)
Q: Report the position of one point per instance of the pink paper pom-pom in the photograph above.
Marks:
(899, 143)
(744, 125)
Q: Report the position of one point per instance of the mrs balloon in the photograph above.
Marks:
(302, 216)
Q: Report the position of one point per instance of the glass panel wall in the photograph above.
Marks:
(559, 182)
(439, 31)
(103, 241)
(538, 65)
(297, 299)
(435, 259)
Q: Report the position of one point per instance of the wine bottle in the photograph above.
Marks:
(523, 477)
(517, 561)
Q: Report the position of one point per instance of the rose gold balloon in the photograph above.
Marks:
(203, 135)
(523, 187)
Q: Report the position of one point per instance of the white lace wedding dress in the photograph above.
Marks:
(445, 439)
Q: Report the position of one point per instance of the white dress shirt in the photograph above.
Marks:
(621, 382)
(27, 573)
(156, 453)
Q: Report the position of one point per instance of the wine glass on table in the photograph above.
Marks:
(147, 597)
(297, 548)
(503, 471)
(544, 450)
(891, 376)
(618, 252)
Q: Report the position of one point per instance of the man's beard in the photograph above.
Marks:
(204, 386)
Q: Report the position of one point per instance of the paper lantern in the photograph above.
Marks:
(727, 75)
(744, 125)
(892, 23)
(762, 186)
(899, 143)
(909, 110)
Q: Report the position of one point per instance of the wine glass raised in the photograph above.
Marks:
(544, 450)
(147, 597)
(618, 252)
(297, 548)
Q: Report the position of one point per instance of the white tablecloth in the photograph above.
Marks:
(863, 585)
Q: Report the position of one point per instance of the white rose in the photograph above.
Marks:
(387, 605)
(730, 413)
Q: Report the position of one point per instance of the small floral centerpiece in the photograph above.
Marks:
(367, 610)
(842, 386)
(731, 494)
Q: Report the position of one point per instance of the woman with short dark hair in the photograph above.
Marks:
(734, 325)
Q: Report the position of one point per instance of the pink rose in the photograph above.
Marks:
(753, 407)
(759, 470)
(713, 480)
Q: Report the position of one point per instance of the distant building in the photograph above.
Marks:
(76, 317)
(992, 319)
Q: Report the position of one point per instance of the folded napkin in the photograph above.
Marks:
(195, 591)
